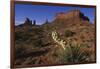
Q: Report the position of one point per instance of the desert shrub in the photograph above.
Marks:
(17, 36)
(22, 36)
(69, 33)
(37, 43)
(75, 53)
(19, 50)
(84, 30)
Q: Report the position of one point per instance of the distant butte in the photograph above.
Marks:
(73, 14)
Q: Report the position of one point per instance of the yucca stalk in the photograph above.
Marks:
(58, 40)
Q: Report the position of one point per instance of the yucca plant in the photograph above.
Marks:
(75, 53)
(72, 51)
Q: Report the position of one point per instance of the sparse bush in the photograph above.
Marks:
(69, 33)
(84, 30)
(37, 43)
(19, 50)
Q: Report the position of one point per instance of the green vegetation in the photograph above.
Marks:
(69, 33)
(75, 53)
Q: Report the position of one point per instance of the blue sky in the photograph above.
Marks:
(42, 12)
